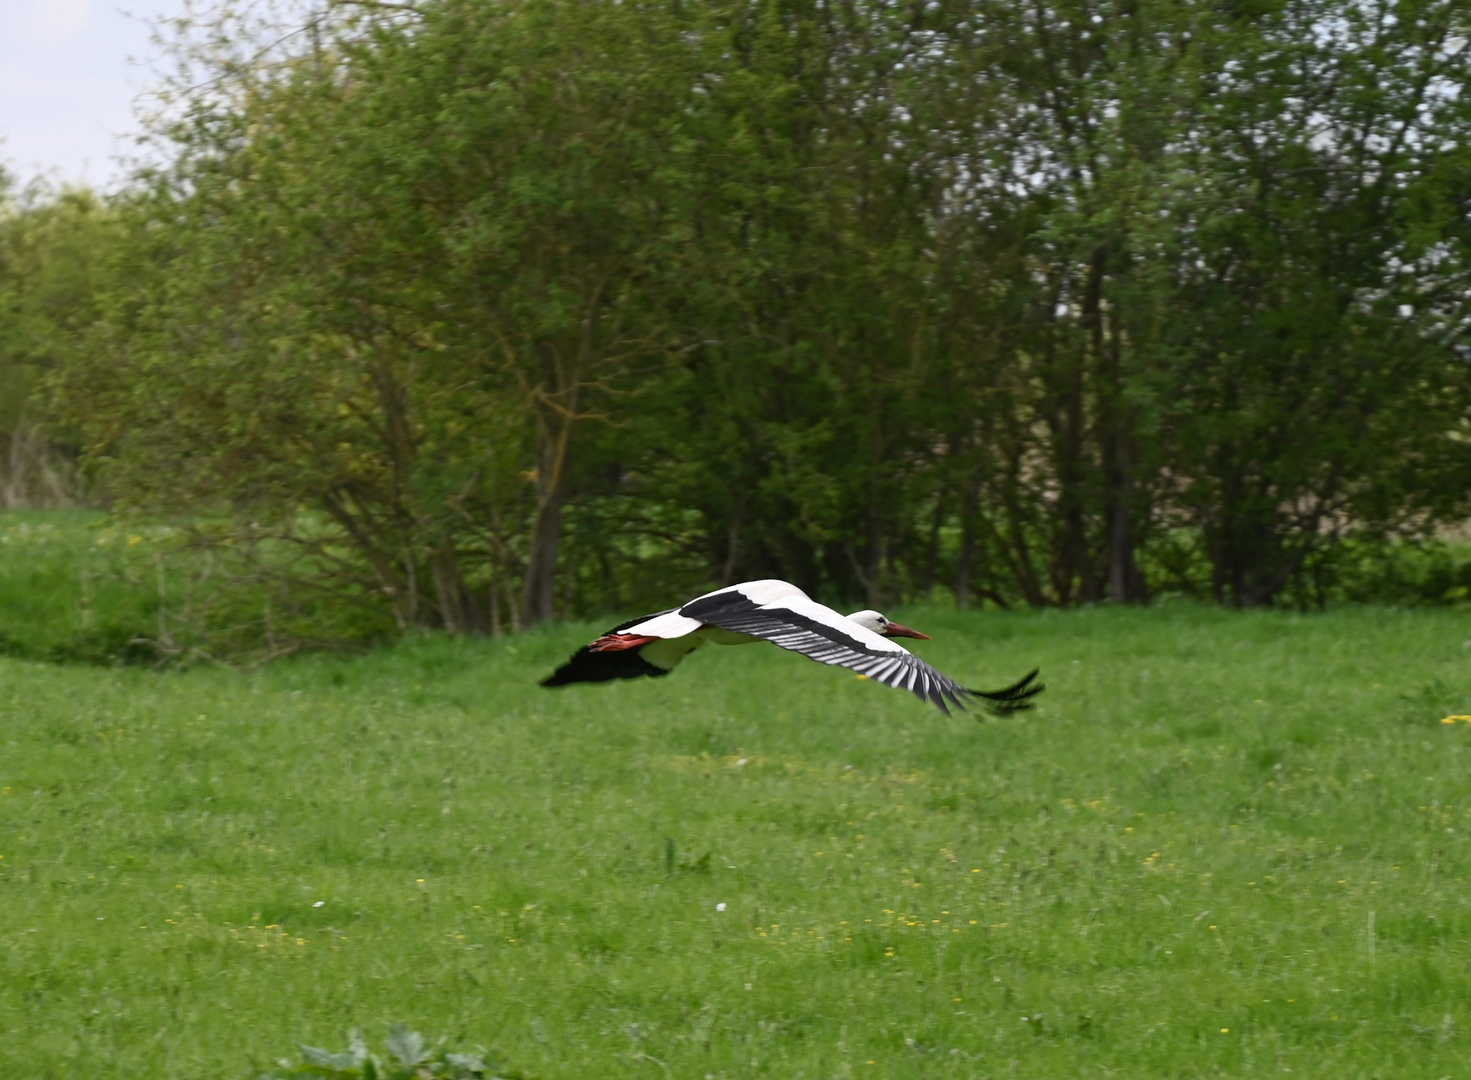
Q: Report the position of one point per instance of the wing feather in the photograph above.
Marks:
(801, 625)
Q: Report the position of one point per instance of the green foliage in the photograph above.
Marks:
(490, 310)
(410, 1057)
(1190, 834)
(83, 586)
(1436, 573)
(75, 588)
(53, 246)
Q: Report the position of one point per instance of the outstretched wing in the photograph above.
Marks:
(801, 624)
(589, 664)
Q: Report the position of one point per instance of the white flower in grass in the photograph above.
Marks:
(720, 906)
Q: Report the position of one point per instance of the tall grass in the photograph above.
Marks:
(1226, 845)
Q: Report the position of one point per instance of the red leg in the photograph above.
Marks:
(619, 642)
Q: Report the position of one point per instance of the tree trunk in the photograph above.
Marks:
(1066, 415)
(965, 565)
(1126, 584)
(541, 564)
(1024, 571)
(555, 433)
(932, 557)
(458, 610)
(391, 583)
(874, 562)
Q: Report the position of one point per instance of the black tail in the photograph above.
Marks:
(1013, 699)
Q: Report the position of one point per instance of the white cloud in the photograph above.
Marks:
(67, 87)
(60, 19)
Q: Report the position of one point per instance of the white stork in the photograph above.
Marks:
(781, 613)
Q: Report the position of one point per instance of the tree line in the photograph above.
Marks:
(467, 314)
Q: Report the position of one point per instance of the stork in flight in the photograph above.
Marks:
(781, 613)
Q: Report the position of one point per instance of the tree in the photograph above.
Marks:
(472, 312)
(52, 246)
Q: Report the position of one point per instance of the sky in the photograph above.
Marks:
(68, 86)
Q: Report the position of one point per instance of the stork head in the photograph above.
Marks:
(880, 624)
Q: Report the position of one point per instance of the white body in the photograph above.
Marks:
(679, 635)
(779, 613)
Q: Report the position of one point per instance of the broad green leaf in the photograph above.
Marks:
(407, 1046)
(325, 1059)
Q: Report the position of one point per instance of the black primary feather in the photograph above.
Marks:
(1015, 698)
(588, 666)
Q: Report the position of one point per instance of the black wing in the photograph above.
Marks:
(1015, 698)
(588, 666)
(818, 633)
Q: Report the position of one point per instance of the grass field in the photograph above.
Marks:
(1227, 845)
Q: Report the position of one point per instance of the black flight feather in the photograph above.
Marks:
(588, 666)
(1012, 699)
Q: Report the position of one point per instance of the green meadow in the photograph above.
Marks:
(1226, 845)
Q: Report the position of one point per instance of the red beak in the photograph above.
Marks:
(895, 630)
